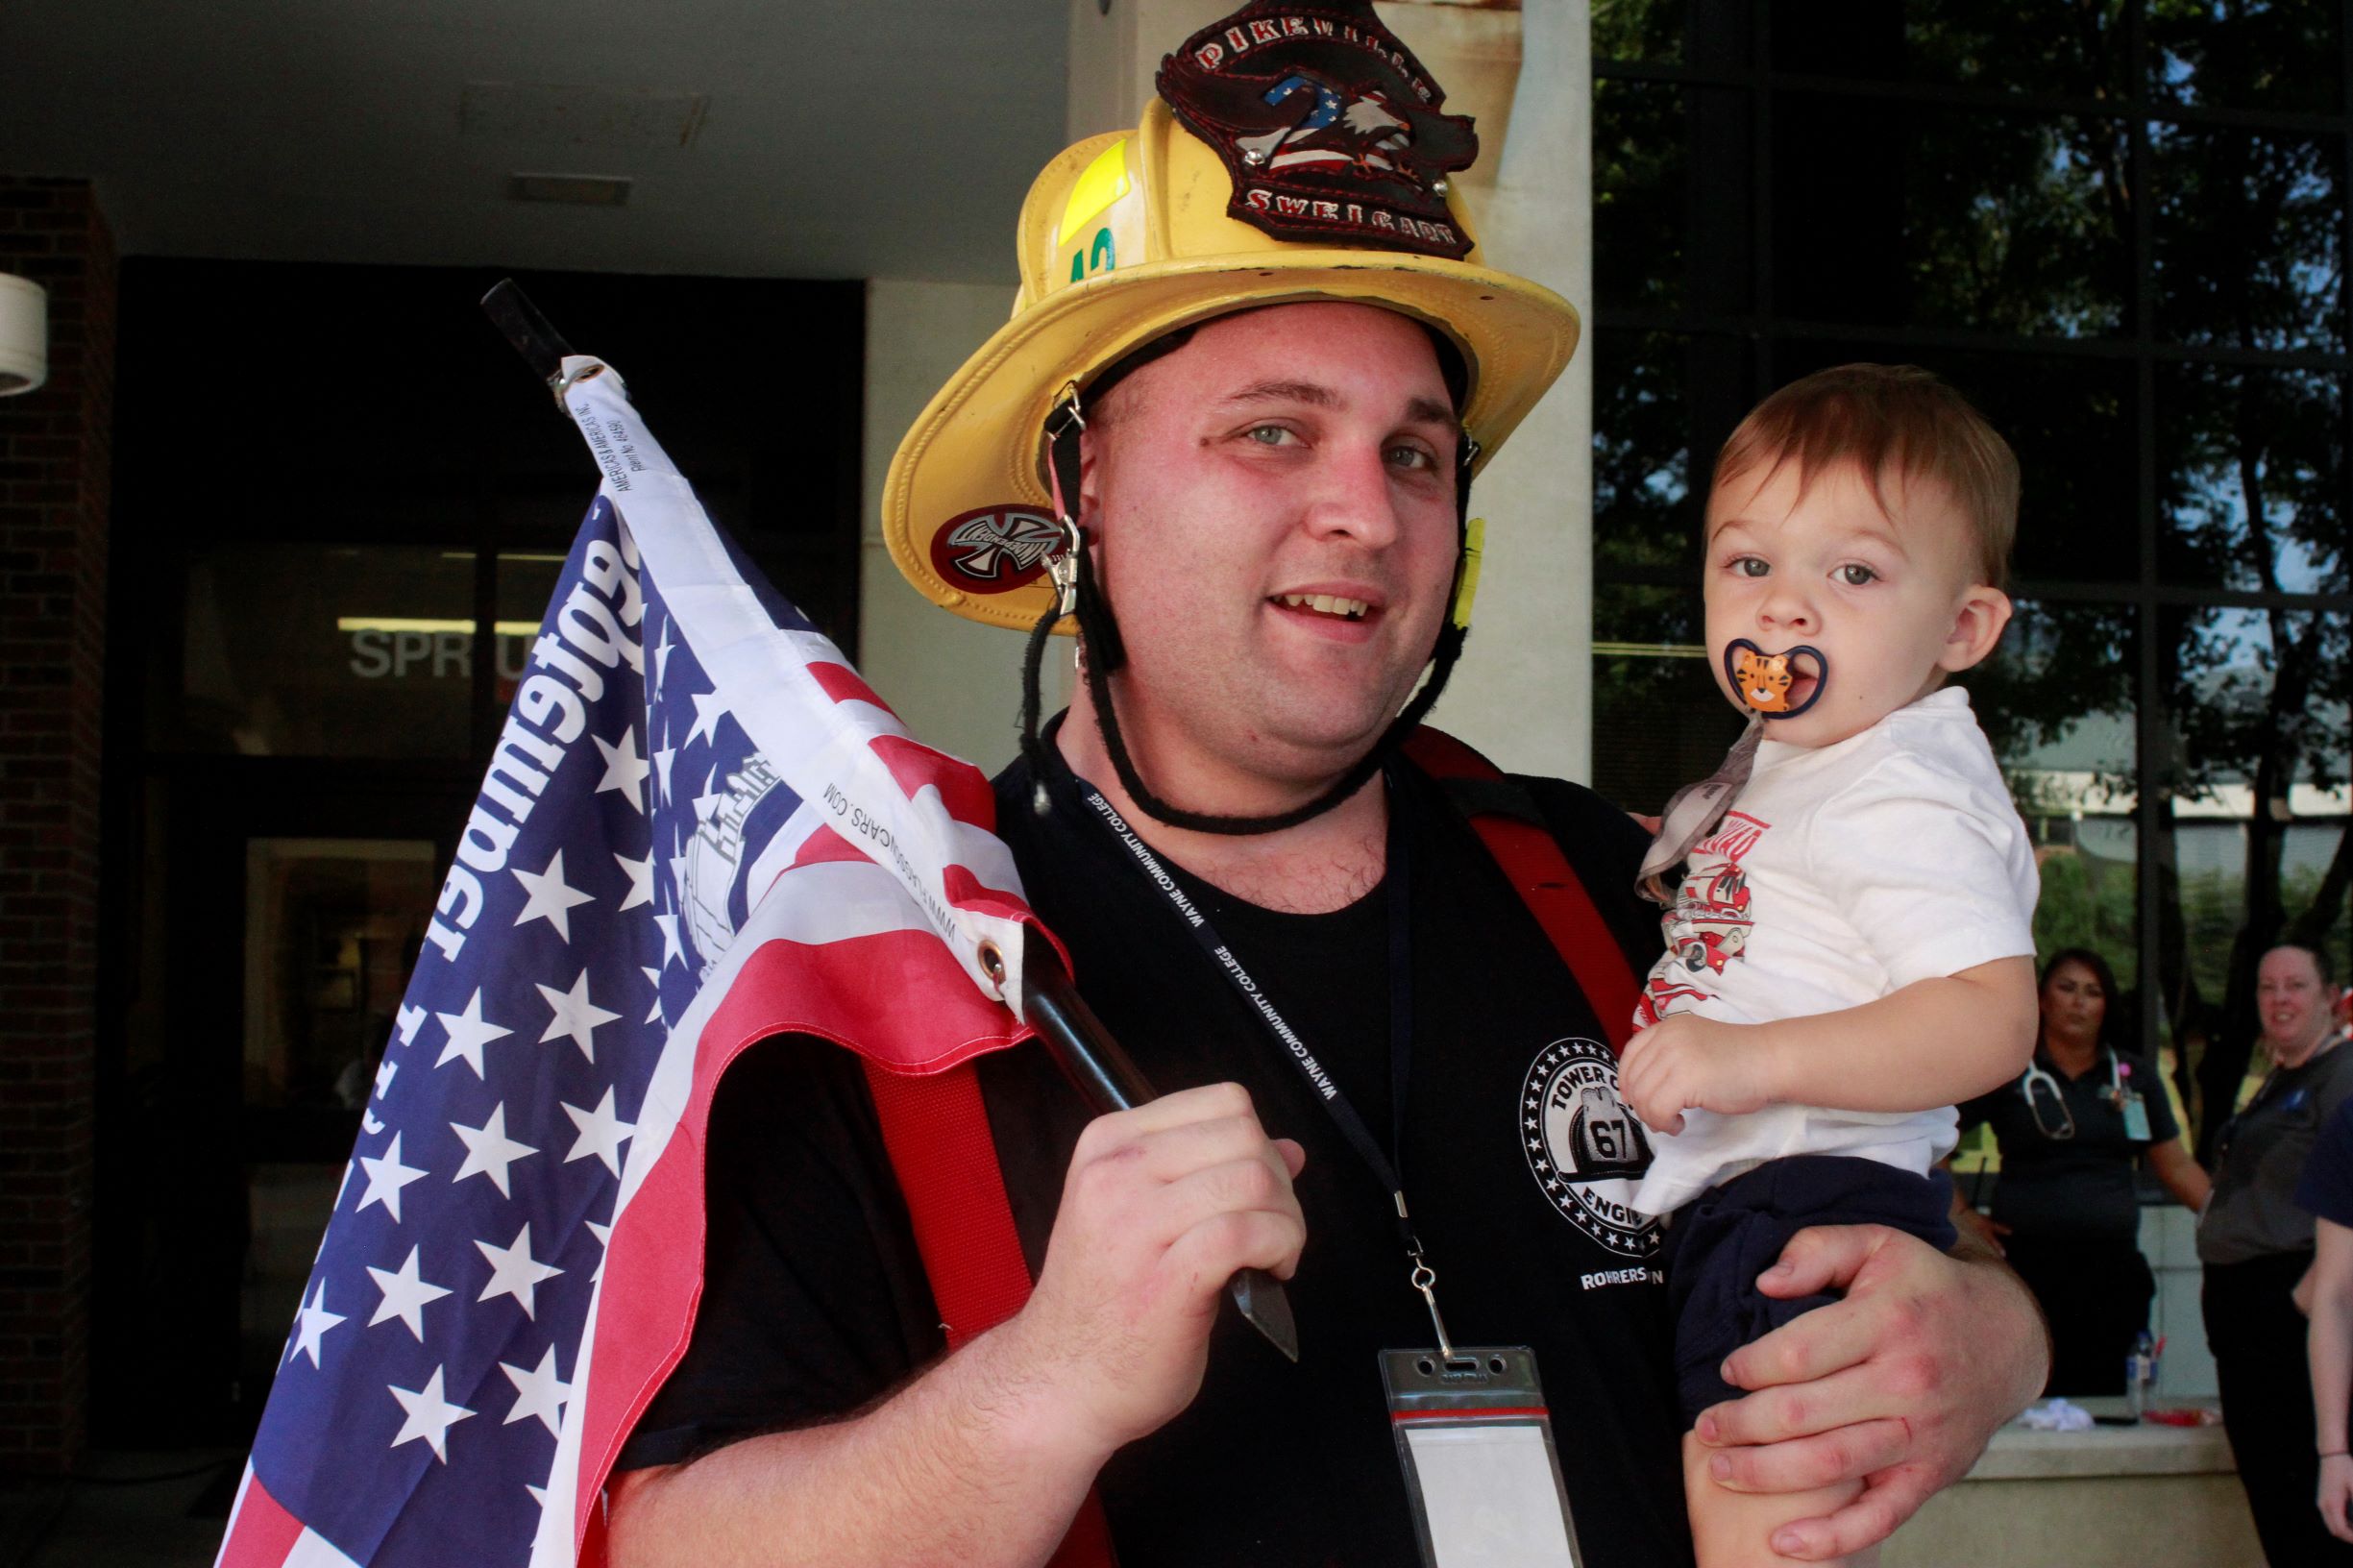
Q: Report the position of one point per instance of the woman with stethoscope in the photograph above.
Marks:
(2064, 1211)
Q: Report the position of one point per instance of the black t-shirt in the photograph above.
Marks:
(2326, 1188)
(2253, 1213)
(1514, 1160)
(2078, 1186)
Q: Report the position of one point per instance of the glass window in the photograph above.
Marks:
(1896, 213)
(331, 926)
(2248, 231)
(2005, 46)
(2251, 495)
(1641, 29)
(1642, 457)
(2246, 54)
(1638, 194)
(2056, 702)
(526, 582)
(345, 651)
(2017, 225)
(2261, 785)
(327, 650)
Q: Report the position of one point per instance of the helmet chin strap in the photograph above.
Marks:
(1106, 654)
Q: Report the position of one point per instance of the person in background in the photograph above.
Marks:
(2257, 1245)
(2326, 1194)
(2066, 1214)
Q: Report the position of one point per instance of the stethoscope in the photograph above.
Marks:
(2037, 1072)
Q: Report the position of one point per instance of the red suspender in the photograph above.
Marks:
(1547, 884)
(938, 1137)
(936, 1132)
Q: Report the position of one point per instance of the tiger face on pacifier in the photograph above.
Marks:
(1777, 685)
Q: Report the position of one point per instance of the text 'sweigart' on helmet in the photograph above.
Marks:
(1294, 152)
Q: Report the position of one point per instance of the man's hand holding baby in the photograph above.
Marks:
(1686, 1063)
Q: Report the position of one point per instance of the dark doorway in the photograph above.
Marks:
(339, 502)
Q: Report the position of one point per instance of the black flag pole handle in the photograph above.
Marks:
(518, 319)
(1111, 1081)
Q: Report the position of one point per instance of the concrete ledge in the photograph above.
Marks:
(2149, 1496)
(2017, 1454)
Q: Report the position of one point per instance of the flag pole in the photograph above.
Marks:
(1100, 1068)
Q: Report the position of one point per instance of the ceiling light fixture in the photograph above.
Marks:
(24, 334)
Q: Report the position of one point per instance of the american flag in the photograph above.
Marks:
(699, 828)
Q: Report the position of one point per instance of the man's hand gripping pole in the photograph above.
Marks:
(1111, 1081)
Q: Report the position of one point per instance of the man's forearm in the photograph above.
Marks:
(968, 1466)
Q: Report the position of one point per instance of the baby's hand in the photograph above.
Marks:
(1688, 1060)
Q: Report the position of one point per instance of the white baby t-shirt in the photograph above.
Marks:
(1841, 873)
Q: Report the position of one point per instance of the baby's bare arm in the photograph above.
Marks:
(1932, 1043)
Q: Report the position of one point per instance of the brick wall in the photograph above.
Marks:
(54, 466)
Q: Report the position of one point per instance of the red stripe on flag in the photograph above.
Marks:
(824, 845)
(935, 1020)
(967, 892)
(964, 787)
(262, 1534)
(842, 683)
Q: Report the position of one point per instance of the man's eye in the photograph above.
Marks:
(1412, 457)
(1855, 575)
(1270, 435)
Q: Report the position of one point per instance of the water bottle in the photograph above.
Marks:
(2139, 1371)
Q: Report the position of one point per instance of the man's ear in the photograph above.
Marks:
(1090, 483)
(1976, 626)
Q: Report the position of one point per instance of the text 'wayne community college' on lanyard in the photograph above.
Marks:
(1422, 1277)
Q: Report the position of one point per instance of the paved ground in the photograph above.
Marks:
(124, 1509)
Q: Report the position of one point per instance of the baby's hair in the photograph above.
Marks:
(1883, 417)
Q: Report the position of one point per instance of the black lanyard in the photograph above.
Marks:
(1399, 892)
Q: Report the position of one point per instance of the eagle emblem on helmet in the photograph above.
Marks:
(995, 549)
(1330, 129)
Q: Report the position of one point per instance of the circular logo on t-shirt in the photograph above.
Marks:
(1585, 1147)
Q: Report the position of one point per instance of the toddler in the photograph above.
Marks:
(1851, 949)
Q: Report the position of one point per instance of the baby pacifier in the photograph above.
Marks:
(1765, 682)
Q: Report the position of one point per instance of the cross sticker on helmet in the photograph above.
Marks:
(995, 550)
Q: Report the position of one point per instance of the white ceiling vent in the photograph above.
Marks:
(536, 112)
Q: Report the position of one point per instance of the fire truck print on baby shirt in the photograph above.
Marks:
(1709, 923)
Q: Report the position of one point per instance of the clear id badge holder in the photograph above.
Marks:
(1480, 1473)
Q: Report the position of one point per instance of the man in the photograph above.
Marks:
(1268, 479)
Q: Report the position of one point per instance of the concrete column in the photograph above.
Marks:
(955, 682)
(1524, 693)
